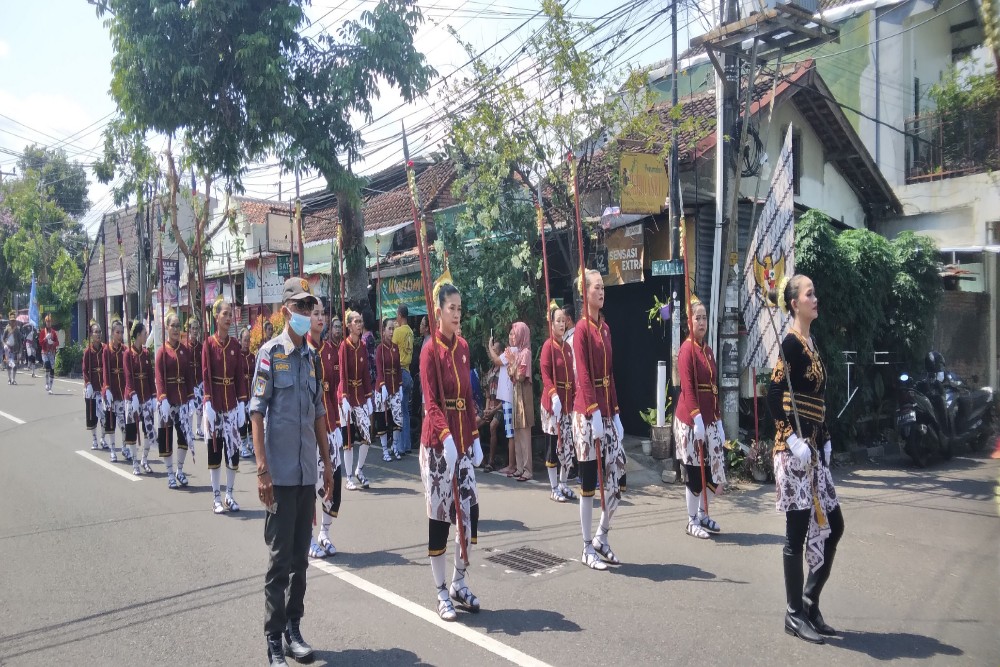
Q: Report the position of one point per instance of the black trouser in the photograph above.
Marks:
(796, 528)
(287, 533)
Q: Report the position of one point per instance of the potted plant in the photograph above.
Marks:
(661, 437)
(760, 460)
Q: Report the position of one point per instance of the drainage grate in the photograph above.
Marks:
(527, 560)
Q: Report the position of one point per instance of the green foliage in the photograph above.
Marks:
(649, 414)
(64, 182)
(874, 295)
(962, 88)
(69, 359)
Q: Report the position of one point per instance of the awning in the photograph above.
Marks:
(613, 218)
(317, 268)
(384, 237)
(973, 248)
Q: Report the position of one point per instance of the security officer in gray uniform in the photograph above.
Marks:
(286, 393)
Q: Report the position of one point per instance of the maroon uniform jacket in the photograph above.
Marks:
(113, 366)
(329, 371)
(446, 381)
(249, 366)
(388, 371)
(196, 361)
(139, 378)
(595, 376)
(557, 374)
(174, 374)
(699, 391)
(355, 378)
(225, 379)
(93, 362)
(45, 346)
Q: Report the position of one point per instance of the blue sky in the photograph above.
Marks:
(55, 60)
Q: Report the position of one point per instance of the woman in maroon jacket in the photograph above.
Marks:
(113, 368)
(249, 362)
(355, 399)
(93, 380)
(225, 404)
(557, 403)
(698, 434)
(597, 429)
(449, 446)
(175, 393)
(388, 392)
(140, 397)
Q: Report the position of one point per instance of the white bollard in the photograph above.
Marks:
(661, 391)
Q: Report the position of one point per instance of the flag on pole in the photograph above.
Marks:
(770, 258)
(33, 303)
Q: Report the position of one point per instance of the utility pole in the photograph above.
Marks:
(676, 282)
(12, 172)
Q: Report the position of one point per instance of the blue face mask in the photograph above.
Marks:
(300, 324)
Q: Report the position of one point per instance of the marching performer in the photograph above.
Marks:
(249, 360)
(225, 404)
(355, 399)
(93, 378)
(175, 394)
(698, 424)
(597, 428)
(806, 494)
(140, 398)
(48, 343)
(329, 376)
(113, 369)
(11, 347)
(557, 402)
(449, 446)
(195, 347)
(388, 392)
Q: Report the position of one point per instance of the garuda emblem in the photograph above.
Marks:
(768, 274)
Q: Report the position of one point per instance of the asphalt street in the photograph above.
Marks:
(99, 569)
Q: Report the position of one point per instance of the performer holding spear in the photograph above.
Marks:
(597, 428)
(450, 447)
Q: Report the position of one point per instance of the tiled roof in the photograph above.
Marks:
(255, 210)
(387, 208)
(94, 274)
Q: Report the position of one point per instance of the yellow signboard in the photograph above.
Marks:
(645, 185)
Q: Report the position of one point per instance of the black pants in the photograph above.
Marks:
(287, 533)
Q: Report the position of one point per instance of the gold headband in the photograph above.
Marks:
(781, 294)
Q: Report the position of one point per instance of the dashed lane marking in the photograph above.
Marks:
(456, 628)
(110, 466)
(12, 418)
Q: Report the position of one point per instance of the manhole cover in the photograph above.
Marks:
(527, 560)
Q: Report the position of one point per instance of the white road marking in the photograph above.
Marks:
(456, 628)
(110, 466)
(11, 417)
(76, 382)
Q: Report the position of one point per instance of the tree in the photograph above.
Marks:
(507, 134)
(64, 182)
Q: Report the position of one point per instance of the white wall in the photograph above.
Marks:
(953, 211)
(821, 186)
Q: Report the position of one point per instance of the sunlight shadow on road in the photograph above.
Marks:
(660, 572)
(893, 645)
(748, 539)
(514, 622)
(392, 656)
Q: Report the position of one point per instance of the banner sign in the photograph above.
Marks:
(171, 282)
(262, 284)
(645, 185)
(405, 289)
(625, 250)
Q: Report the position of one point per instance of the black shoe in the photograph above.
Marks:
(297, 646)
(275, 653)
(816, 619)
(798, 625)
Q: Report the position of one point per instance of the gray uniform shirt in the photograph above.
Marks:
(286, 391)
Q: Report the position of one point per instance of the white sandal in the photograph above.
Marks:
(592, 560)
(695, 530)
(557, 497)
(465, 598)
(446, 610)
(709, 524)
(604, 550)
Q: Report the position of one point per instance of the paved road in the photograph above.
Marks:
(97, 569)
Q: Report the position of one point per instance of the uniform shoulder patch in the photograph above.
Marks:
(260, 386)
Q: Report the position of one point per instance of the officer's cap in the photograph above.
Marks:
(297, 289)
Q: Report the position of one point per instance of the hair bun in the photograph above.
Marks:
(782, 288)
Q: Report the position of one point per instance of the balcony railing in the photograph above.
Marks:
(948, 145)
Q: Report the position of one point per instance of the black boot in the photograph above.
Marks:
(275, 653)
(814, 586)
(297, 646)
(796, 622)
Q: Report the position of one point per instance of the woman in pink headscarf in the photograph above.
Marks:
(524, 411)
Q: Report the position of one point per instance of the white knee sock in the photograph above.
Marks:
(563, 476)
(385, 443)
(586, 516)
(693, 503)
(349, 461)
(181, 455)
(324, 530)
(362, 455)
(553, 477)
(215, 474)
(169, 462)
(458, 576)
(605, 524)
(437, 571)
(395, 441)
(230, 479)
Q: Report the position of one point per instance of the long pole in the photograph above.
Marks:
(343, 313)
(586, 304)
(121, 268)
(425, 282)
(104, 267)
(540, 214)
(378, 282)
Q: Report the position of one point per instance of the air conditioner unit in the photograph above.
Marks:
(749, 7)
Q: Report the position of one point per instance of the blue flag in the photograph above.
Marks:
(33, 303)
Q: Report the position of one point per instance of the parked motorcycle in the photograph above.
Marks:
(937, 413)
